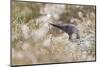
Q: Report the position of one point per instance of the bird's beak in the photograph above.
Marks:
(55, 25)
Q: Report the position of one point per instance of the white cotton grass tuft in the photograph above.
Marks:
(26, 46)
(47, 41)
(20, 55)
(25, 30)
(43, 19)
(63, 38)
(17, 54)
(50, 11)
(80, 14)
(41, 32)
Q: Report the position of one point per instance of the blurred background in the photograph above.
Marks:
(34, 41)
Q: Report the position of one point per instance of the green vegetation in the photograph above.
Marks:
(34, 41)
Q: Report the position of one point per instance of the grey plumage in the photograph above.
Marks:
(70, 29)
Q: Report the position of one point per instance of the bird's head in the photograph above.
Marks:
(70, 29)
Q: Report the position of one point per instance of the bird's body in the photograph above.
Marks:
(70, 29)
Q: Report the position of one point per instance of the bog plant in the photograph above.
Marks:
(34, 41)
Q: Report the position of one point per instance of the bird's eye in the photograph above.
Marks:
(66, 27)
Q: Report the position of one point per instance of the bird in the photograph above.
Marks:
(70, 29)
